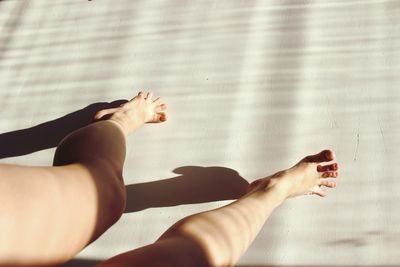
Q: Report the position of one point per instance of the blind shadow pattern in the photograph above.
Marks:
(253, 85)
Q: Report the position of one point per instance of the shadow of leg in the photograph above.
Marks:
(49, 134)
(195, 185)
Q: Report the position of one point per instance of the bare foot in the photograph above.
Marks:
(305, 178)
(134, 113)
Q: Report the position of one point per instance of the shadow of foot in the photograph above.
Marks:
(194, 185)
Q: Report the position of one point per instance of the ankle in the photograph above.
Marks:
(126, 124)
(275, 185)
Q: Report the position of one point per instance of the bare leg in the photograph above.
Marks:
(219, 237)
(48, 214)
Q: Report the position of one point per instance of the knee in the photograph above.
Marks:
(112, 198)
(118, 201)
(111, 194)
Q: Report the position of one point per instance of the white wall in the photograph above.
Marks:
(252, 86)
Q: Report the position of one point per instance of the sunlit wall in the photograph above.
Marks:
(251, 87)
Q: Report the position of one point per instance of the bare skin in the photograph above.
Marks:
(220, 237)
(48, 214)
(133, 114)
(69, 205)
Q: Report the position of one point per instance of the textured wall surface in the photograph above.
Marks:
(252, 86)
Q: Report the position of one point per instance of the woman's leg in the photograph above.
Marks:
(219, 237)
(48, 214)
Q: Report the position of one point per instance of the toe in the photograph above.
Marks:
(149, 95)
(330, 174)
(140, 94)
(330, 167)
(162, 116)
(159, 117)
(161, 108)
(323, 156)
(327, 183)
(318, 191)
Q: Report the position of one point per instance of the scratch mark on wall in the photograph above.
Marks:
(358, 143)
(383, 136)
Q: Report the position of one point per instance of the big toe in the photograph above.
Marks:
(323, 156)
(159, 117)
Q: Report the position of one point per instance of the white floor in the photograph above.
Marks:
(252, 86)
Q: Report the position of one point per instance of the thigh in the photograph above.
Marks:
(47, 213)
